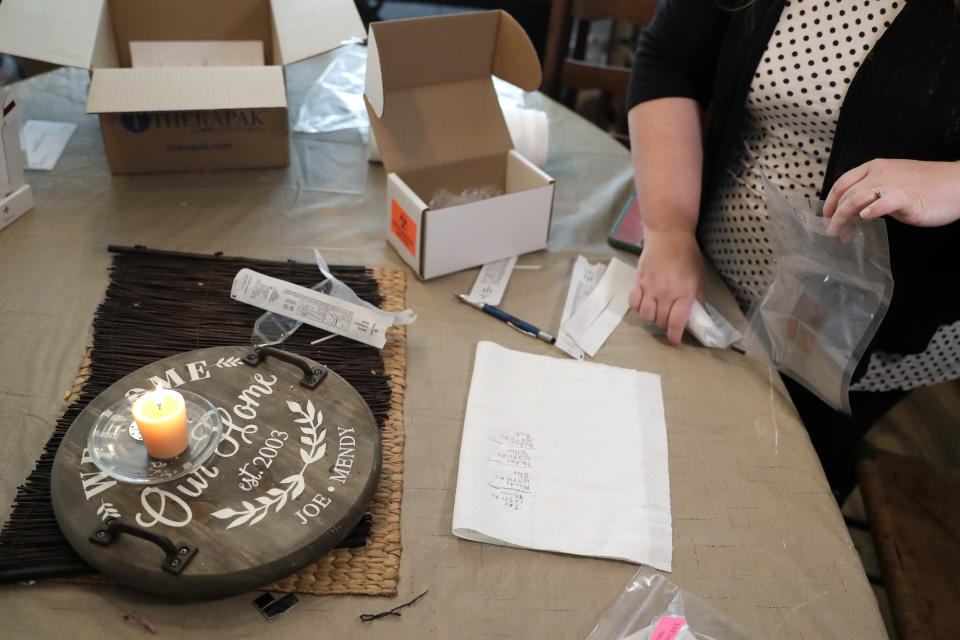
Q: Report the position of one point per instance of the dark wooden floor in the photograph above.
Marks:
(925, 425)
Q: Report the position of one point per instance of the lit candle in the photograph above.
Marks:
(161, 416)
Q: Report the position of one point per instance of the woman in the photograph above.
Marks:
(857, 103)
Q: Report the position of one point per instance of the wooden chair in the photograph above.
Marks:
(566, 72)
(913, 510)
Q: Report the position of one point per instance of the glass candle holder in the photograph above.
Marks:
(116, 444)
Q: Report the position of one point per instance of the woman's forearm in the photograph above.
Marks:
(666, 141)
(665, 135)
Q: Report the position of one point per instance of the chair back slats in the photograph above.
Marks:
(582, 75)
(636, 12)
(565, 72)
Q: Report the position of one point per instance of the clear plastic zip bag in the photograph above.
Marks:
(651, 607)
(831, 289)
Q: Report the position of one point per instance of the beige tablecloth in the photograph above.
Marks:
(756, 532)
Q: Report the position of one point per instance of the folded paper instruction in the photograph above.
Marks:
(598, 315)
(598, 298)
(582, 283)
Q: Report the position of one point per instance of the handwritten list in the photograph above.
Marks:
(563, 455)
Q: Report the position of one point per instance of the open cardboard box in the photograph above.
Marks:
(182, 118)
(437, 120)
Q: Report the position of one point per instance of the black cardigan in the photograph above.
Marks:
(903, 102)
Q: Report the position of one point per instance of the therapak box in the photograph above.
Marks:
(437, 120)
(173, 118)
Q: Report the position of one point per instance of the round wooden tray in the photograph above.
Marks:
(293, 473)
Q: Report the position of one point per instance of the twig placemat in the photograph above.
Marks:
(132, 328)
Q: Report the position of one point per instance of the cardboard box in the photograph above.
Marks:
(181, 118)
(435, 114)
(16, 198)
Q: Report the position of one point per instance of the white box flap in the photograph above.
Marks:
(53, 30)
(429, 91)
(305, 28)
(186, 89)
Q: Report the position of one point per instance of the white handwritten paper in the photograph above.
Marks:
(44, 141)
(583, 281)
(603, 309)
(566, 456)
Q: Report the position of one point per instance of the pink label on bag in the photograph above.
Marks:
(668, 628)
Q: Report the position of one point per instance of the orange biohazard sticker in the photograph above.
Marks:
(403, 227)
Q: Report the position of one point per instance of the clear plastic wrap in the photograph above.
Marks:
(335, 101)
(831, 289)
(444, 198)
(651, 607)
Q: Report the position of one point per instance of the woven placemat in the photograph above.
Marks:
(370, 569)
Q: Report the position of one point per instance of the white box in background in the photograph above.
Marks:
(16, 198)
(437, 120)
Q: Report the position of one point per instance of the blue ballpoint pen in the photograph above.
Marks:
(513, 321)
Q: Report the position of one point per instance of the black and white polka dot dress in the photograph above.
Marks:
(791, 114)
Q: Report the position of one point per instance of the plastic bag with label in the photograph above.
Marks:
(651, 607)
(831, 289)
(273, 328)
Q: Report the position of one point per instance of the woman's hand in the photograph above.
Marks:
(922, 194)
(670, 275)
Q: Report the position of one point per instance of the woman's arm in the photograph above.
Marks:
(666, 142)
(672, 76)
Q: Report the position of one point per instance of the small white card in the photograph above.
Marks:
(196, 53)
(602, 311)
(44, 141)
(353, 321)
(492, 281)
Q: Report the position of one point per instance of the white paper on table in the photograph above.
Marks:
(583, 281)
(492, 281)
(566, 456)
(602, 311)
(44, 141)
